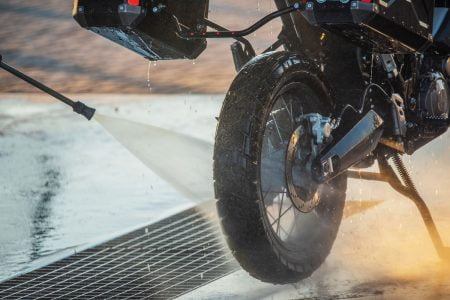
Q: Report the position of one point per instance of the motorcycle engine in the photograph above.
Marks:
(434, 96)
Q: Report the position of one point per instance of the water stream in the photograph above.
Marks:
(184, 162)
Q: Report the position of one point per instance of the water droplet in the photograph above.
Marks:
(148, 77)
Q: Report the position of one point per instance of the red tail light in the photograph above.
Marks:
(133, 2)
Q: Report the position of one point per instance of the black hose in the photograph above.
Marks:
(241, 33)
(362, 104)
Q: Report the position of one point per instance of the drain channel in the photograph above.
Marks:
(161, 261)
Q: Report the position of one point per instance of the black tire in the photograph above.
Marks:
(237, 172)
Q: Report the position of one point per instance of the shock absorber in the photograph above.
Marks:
(404, 174)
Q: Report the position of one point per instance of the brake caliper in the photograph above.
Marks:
(307, 140)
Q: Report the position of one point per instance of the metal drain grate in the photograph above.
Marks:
(160, 261)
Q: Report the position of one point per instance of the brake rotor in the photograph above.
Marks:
(302, 188)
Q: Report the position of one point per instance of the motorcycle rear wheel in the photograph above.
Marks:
(259, 111)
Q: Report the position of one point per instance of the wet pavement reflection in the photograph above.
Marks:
(53, 200)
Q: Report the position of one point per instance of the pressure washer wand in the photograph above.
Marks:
(78, 106)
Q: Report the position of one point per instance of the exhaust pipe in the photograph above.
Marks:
(360, 141)
(78, 107)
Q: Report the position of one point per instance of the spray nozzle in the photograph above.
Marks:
(83, 109)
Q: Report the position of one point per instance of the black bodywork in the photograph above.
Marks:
(149, 29)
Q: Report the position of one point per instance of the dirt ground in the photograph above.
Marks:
(42, 39)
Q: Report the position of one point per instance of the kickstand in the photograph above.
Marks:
(408, 189)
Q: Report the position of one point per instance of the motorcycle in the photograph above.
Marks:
(356, 82)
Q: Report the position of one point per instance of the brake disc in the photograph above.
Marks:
(304, 146)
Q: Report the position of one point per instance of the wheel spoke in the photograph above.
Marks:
(282, 229)
(276, 126)
(279, 213)
(291, 206)
(268, 212)
(290, 112)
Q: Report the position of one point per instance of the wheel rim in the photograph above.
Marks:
(293, 229)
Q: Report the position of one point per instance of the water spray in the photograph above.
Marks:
(78, 107)
(194, 176)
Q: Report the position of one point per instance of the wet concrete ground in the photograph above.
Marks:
(67, 183)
